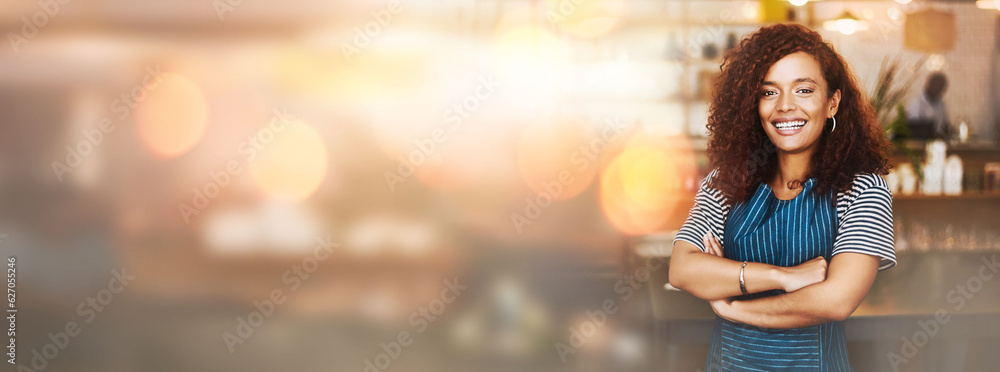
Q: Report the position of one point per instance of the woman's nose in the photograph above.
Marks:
(786, 103)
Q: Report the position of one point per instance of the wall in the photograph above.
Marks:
(969, 67)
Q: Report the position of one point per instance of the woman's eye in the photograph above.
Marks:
(805, 90)
(768, 93)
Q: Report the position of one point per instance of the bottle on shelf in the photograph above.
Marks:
(953, 175)
(933, 181)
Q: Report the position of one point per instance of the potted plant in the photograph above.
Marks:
(890, 88)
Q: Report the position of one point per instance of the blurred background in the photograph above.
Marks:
(450, 185)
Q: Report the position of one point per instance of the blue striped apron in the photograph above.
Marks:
(783, 233)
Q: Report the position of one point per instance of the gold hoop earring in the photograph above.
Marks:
(834, 124)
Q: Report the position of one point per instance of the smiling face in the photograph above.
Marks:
(794, 105)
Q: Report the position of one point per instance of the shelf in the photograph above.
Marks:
(966, 196)
(971, 146)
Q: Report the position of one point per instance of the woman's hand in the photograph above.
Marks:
(791, 278)
(712, 245)
(723, 308)
(808, 273)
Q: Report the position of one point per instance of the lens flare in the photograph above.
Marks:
(533, 63)
(557, 158)
(172, 116)
(643, 189)
(292, 165)
(587, 18)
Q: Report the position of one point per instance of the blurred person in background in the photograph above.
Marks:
(791, 227)
(928, 107)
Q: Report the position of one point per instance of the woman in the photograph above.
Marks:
(789, 230)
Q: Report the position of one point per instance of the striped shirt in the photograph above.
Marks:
(864, 218)
(786, 233)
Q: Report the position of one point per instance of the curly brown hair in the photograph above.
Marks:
(739, 148)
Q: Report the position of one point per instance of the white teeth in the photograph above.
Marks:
(790, 124)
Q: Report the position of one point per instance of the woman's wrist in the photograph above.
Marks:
(780, 277)
(725, 309)
(759, 277)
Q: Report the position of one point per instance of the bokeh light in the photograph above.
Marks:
(172, 114)
(532, 61)
(552, 153)
(587, 18)
(292, 165)
(642, 187)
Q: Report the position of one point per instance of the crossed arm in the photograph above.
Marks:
(816, 293)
